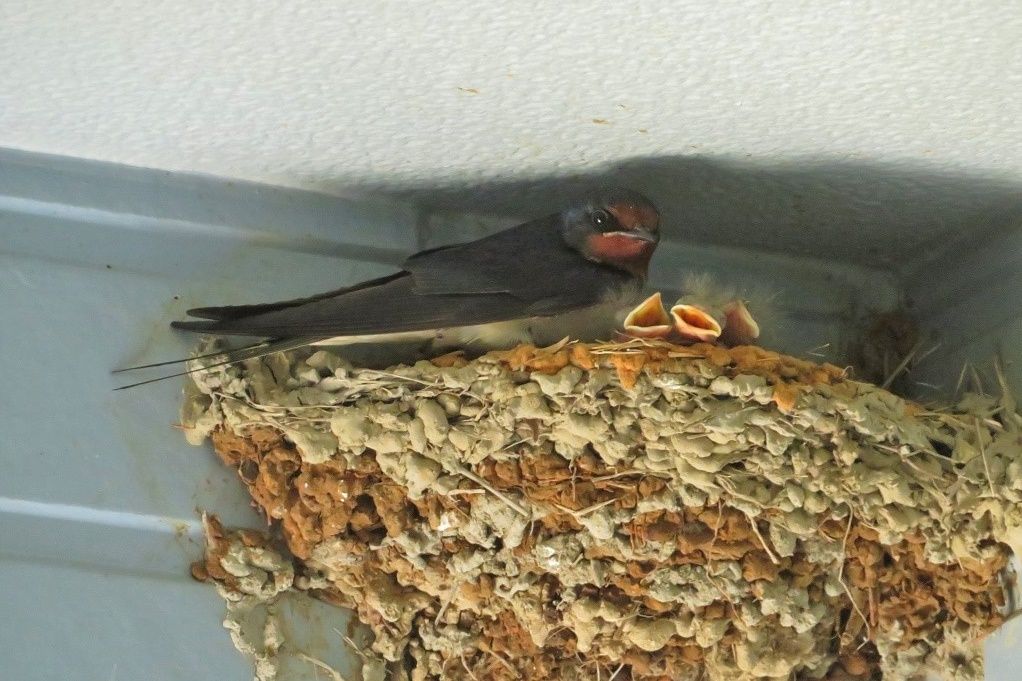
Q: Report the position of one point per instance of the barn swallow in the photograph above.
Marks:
(705, 304)
(540, 281)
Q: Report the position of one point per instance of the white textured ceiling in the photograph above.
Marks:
(858, 127)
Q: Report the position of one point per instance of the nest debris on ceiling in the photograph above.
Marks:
(628, 511)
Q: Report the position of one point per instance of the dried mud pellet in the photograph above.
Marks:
(640, 509)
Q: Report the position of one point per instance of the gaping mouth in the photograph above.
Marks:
(649, 319)
(739, 326)
(695, 324)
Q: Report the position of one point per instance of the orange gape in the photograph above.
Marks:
(695, 324)
(649, 319)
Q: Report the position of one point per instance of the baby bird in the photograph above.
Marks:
(707, 312)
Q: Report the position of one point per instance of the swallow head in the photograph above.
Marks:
(619, 228)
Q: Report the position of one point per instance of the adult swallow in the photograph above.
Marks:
(570, 273)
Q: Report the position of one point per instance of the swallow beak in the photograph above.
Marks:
(649, 319)
(638, 235)
(739, 326)
(694, 324)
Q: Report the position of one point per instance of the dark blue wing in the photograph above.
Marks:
(525, 271)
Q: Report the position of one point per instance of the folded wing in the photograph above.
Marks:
(522, 272)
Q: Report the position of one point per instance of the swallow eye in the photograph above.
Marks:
(601, 220)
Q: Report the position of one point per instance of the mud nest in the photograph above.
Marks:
(625, 511)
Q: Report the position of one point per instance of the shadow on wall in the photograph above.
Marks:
(890, 217)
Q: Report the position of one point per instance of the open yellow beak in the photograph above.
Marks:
(649, 319)
(695, 324)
